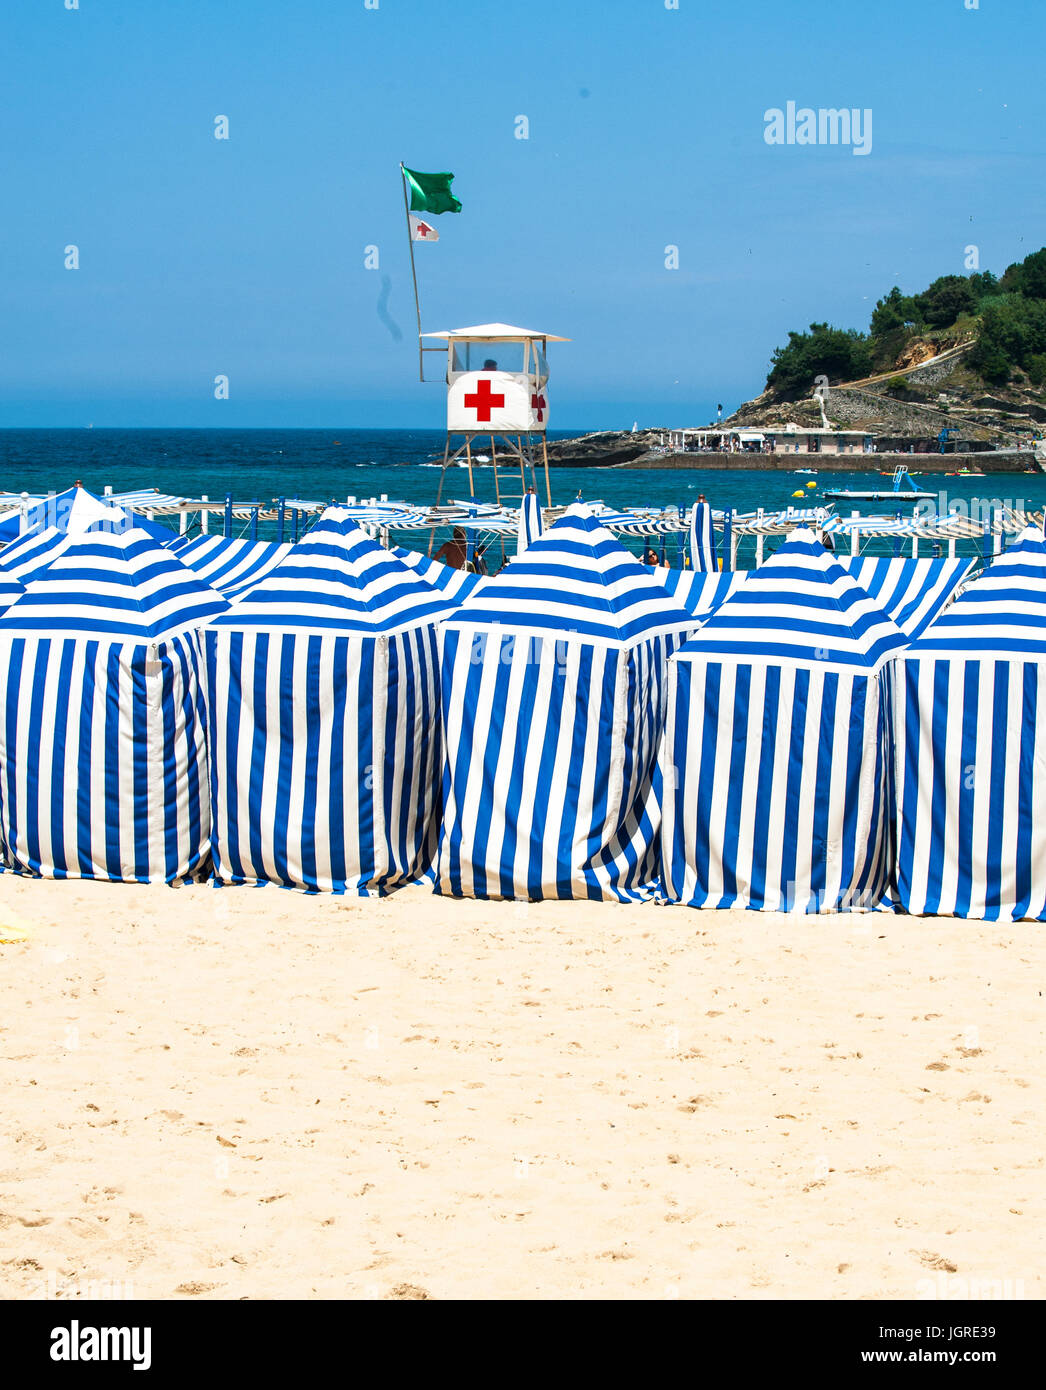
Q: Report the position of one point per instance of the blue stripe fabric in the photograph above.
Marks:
(324, 720)
(103, 758)
(970, 752)
(553, 689)
(774, 762)
(103, 753)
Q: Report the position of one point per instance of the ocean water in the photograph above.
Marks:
(331, 464)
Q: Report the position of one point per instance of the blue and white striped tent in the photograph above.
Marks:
(453, 584)
(552, 692)
(103, 762)
(970, 749)
(775, 752)
(324, 720)
(702, 538)
(231, 564)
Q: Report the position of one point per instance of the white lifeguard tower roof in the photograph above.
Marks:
(489, 332)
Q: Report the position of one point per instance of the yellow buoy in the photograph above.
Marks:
(799, 493)
(811, 485)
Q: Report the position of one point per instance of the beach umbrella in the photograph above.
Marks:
(531, 522)
(103, 763)
(702, 538)
(324, 720)
(775, 751)
(970, 748)
(552, 698)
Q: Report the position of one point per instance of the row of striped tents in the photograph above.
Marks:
(103, 761)
(970, 749)
(774, 761)
(231, 564)
(324, 720)
(552, 689)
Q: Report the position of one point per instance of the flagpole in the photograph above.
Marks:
(413, 272)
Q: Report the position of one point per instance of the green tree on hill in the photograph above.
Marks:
(840, 354)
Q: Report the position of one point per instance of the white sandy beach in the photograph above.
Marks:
(249, 1093)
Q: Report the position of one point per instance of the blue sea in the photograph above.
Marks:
(332, 464)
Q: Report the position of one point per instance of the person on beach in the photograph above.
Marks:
(453, 552)
(650, 557)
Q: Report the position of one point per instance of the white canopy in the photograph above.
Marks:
(491, 331)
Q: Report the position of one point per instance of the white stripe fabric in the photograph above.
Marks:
(552, 691)
(774, 762)
(103, 759)
(324, 721)
(230, 564)
(970, 749)
(702, 538)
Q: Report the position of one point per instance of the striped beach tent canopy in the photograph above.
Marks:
(337, 578)
(702, 539)
(970, 749)
(552, 692)
(324, 720)
(911, 592)
(577, 580)
(699, 592)
(452, 583)
(231, 565)
(10, 591)
(775, 751)
(103, 761)
(29, 554)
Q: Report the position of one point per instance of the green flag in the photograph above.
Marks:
(431, 192)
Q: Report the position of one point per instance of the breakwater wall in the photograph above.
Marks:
(1001, 461)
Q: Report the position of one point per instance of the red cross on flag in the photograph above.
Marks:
(421, 230)
(538, 403)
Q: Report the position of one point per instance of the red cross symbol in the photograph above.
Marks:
(482, 400)
(538, 403)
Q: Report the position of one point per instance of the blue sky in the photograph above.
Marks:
(245, 257)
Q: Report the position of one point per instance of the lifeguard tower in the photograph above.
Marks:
(497, 391)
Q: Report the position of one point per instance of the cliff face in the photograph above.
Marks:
(927, 391)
